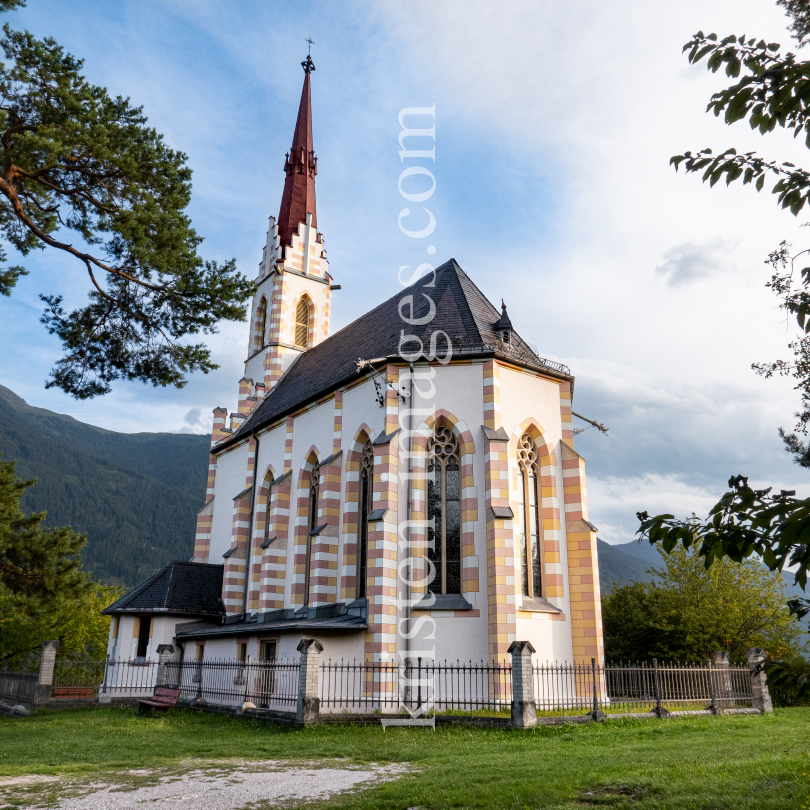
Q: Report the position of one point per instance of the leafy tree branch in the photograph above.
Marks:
(72, 158)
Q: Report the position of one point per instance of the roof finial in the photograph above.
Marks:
(308, 64)
(503, 323)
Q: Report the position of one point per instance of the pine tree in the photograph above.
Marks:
(44, 593)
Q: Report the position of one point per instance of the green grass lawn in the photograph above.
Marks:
(705, 762)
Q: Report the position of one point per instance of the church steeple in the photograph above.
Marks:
(293, 297)
(300, 166)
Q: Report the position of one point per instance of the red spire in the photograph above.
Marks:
(301, 166)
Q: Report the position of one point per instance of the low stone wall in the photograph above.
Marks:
(65, 704)
(265, 715)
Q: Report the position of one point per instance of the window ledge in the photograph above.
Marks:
(450, 601)
(537, 605)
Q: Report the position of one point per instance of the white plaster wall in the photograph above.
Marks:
(551, 639)
(348, 647)
(254, 367)
(162, 632)
(214, 648)
(314, 427)
(271, 453)
(524, 395)
(458, 638)
(361, 407)
(230, 481)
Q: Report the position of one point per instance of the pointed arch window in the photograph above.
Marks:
(259, 336)
(444, 511)
(302, 323)
(529, 527)
(268, 483)
(366, 496)
(312, 522)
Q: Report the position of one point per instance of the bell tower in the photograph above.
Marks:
(291, 307)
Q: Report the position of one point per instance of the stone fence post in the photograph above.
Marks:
(722, 679)
(45, 683)
(759, 681)
(309, 703)
(524, 710)
(165, 655)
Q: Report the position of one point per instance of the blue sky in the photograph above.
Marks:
(554, 126)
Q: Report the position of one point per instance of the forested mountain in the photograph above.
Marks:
(618, 565)
(624, 563)
(135, 494)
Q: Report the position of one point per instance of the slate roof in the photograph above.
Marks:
(462, 312)
(179, 587)
(340, 617)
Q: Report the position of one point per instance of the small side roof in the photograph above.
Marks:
(179, 588)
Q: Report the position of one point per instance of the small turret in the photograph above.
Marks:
(503, 326)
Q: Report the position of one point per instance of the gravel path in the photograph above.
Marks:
(213, 786)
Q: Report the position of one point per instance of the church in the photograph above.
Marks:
(406, 485)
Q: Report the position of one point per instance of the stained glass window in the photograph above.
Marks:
(366, 472)
(444, 512)
(529, 527)
(314, 488)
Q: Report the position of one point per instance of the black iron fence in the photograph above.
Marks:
(265, 684)
(447, 687)
(386, 687)
(18, 687)
(624, 688)
(113, 677)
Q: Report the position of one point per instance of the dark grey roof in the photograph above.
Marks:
(339, 616)
(180, 587)
(463, 313)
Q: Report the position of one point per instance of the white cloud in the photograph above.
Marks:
(620, 498)
(690, 261)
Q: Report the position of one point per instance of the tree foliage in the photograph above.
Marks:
(773, 92)
(689, 611)
(76, 159)
(44, 593)
(795, 300)
(799, 12)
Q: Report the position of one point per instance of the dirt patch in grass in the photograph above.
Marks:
(615, 795)
(201, 785)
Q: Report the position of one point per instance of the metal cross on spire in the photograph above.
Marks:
(308, 64)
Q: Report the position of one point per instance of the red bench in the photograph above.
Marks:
(73, 691)
(164, 699)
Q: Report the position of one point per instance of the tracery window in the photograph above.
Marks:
(312, 522)
(261, 325)
(302, 324)
(444, 511)
(366, 495)
(529, 533)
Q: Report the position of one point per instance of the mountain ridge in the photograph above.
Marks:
(135, 494)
